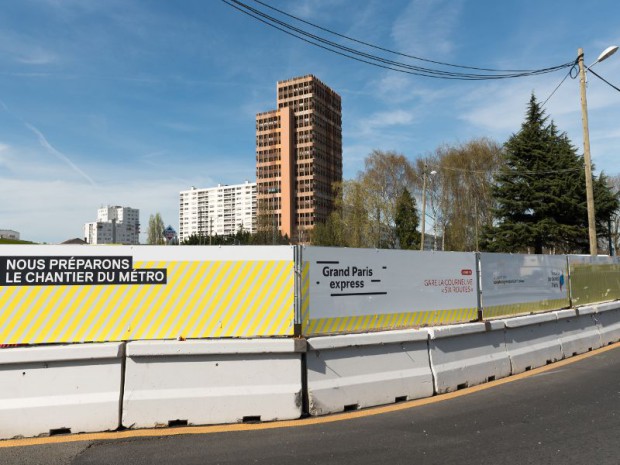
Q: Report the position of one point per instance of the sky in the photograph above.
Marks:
(129, 102)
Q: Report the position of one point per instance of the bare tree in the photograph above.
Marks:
(385, 177)
(155, 231)
(365, 214)
(459, 192)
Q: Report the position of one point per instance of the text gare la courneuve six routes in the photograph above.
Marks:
(82, 270)
(355, 280)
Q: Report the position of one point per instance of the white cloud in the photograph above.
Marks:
(44, 143)
(499, 109)
(54, 211)
(396, 88)
(157, 158)
(382, 131)
(4, 157)
(380, 121)
(425, 27)
(308, 9)
(45, 205)
(36, 57)
(386, 119)
(495, 108)
(26, 50)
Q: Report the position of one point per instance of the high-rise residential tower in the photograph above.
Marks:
(114, 225)
(299, 156)
(221, 210)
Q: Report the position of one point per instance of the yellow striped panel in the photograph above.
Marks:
(201, 299)
(384, 322)
(524, 308)
(594, 282)
(305, 292)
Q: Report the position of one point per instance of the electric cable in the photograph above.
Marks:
(526, 172)
(558, 86)
(375, 60)
(253, 12)
(386, 49)
(604, 80)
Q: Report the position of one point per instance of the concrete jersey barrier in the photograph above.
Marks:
(349, 372)
(60, 389)
(171, 383)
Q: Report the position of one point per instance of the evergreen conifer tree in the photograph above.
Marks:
(540, 192)
(406, 221)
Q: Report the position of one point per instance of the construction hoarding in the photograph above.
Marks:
(520, 284)
(353, 290)
(594, 279)
(120, 293)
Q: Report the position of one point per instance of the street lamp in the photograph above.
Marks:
(609, 51)
(424, 174)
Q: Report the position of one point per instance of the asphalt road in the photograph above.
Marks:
(567, 415)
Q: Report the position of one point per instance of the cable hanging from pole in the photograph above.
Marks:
(604, 80)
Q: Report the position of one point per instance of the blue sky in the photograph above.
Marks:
(128, 102)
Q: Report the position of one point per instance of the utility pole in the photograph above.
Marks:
(423, 208)
(476, 214)
(586, 155)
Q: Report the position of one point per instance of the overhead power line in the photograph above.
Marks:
(376, 60)
(386, 49)
(558, 86)
(524, 172)
(604, 80)
(573, 73)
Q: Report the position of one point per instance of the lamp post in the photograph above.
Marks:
(424, 174)
(586, 143)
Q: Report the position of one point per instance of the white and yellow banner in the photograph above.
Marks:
(353, 290)
(54, 294)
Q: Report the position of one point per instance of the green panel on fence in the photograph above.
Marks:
(594, 282)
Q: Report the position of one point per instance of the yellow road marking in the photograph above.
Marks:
(236, 427)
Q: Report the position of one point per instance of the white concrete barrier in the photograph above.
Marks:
(607, 318)
(60, 389)
(577, 331)
(533, 341)
(353, 371)
(170, 383)
(468, 354)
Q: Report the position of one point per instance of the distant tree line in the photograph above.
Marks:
(264, 236)
(241, 237)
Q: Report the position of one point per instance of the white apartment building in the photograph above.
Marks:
(114, 225)
(220, 210)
